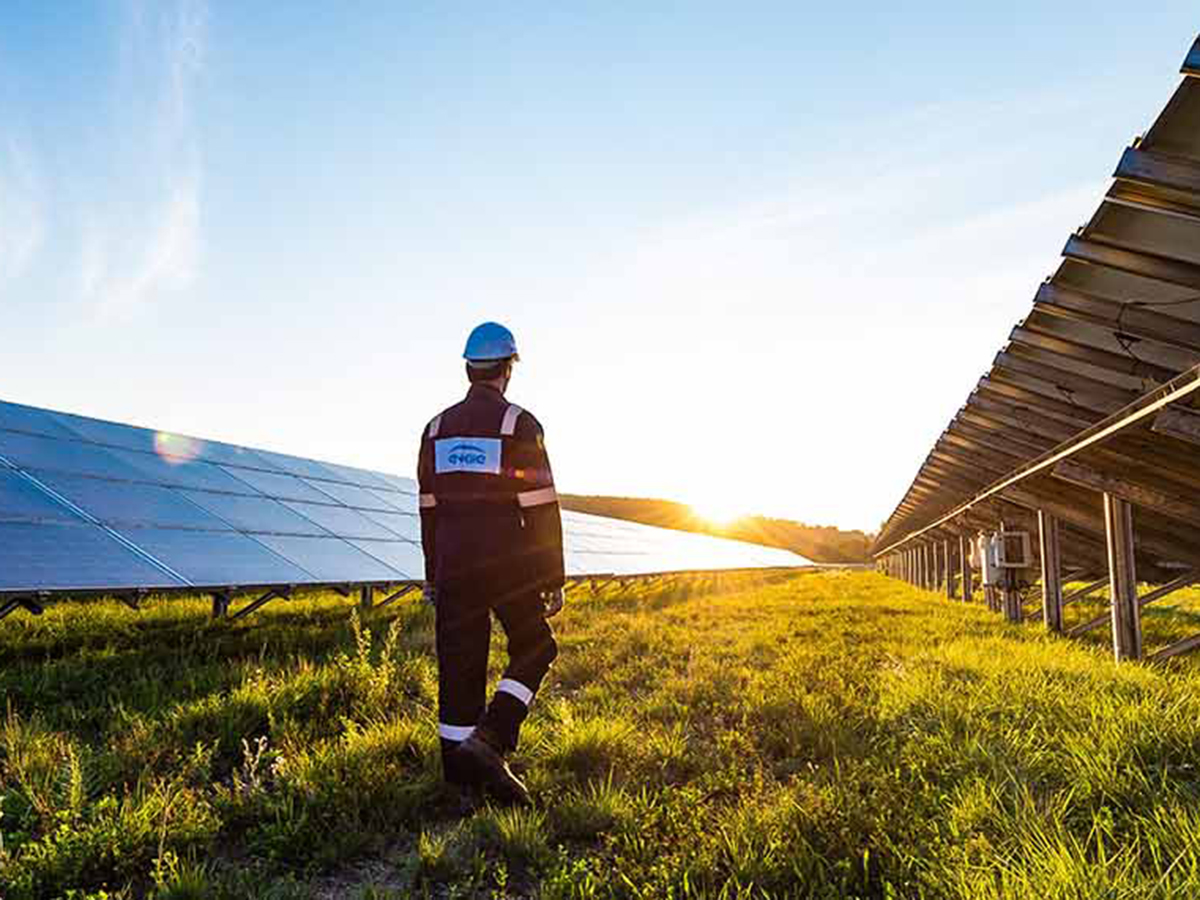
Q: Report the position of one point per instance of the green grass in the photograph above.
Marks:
(821, 735)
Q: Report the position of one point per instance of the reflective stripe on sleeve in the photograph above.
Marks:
(428, 501)
(538, 497)
(435, 425)
(514, 687)
(455, 732)
(508, 425)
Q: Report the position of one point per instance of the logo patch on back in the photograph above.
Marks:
(467, 454)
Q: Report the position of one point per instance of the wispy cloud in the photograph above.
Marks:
(140, 248)
(22, 208)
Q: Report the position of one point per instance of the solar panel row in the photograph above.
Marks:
(88, 505)
(93, 505)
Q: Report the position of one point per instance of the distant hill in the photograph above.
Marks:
(819, 543)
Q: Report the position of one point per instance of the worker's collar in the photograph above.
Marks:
(485, 390)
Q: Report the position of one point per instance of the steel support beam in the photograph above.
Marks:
(1129, 489)
(964, 566)
(1181, 424)
(1158, 593)
(26, 603)
(393, 597)
(949, 585)
(262, 601)
(1052, 597)
(1126, 613)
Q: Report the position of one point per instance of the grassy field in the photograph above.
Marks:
(824, 735)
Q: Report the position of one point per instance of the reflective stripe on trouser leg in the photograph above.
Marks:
(531, 650)
(456, 733)
(518, 690)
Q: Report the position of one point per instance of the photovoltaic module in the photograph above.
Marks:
(89, 505)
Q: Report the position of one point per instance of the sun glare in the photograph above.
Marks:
(718, 512)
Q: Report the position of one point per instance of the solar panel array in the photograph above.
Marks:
(1117, 322)
(89, 505)
(595, 544)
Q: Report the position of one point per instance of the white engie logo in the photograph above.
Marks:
(467, 454)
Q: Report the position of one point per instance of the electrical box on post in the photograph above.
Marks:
(983, 558)
(1014, 550)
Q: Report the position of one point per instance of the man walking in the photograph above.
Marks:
(492, 537)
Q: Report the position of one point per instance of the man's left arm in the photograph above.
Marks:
(539, 507)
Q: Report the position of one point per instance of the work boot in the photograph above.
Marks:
(481, 761)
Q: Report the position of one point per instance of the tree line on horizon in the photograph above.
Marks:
(820, 543)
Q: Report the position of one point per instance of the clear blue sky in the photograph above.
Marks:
(755, 254)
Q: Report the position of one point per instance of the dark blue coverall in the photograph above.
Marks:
(492, 536)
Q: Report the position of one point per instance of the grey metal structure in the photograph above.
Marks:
(1084, 431)
(88, 506)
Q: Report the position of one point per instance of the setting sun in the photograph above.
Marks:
(719, 511)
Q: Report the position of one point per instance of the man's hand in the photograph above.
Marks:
(429, 591)
(554, 602)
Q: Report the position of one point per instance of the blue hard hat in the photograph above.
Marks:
(490, 342)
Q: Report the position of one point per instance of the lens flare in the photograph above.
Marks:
(176, 448)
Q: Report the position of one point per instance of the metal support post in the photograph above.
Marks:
(1012, 597)
(949, 572)
(366, 596)
(220, 604)
(1052, 598)
(964, 565)
(1122, 575)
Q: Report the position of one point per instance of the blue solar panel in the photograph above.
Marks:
(216, 557)
(352, 495)
(403, 556)
(261, 514)
(38, 421)
(180, 472)
(35, 452)
(282, 487)
(114, 502)
(361, 477)
(218, 452)
(402, 485)
(57, 557)
(21, 500)
(340, 520)
(110, 433)
(406, 525)
(294, 465)
(331, 559)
